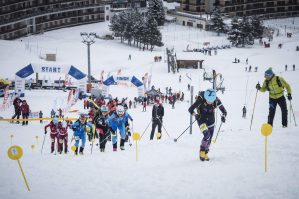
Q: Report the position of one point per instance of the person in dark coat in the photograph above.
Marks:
(25, 111)
(205, 104)
(157, 119)
(17, 105)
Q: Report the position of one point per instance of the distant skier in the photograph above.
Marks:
(53, 113)
(276, 86)
(80, 128)
(244, 112)
(294, 68)
(40, 115)
(157, 119)
(206, 103)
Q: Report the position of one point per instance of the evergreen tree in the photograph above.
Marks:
(234, 34)
(257, 27)
(129, 27)
(118, 25)
(241, 32)
(153, 34)
(156, 9)
(217, 22)
(246, 31)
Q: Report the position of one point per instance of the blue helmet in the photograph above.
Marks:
(55, 120)
(210, 95)
(104, 108)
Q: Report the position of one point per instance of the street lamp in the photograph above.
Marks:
(88, 39)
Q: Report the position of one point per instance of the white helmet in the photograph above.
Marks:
(120, 110)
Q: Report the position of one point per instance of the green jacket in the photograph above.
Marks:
(276, 91)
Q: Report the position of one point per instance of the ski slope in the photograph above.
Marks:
(165, 169)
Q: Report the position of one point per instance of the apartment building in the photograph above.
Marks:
(262, 8)
(24, 17)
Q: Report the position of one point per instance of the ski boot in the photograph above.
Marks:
(81, 150)
(122, 144)
(102, 150)
(158, 135)
(76, 151)
(203, 155)
(115, 147)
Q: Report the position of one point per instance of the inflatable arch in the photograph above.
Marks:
(53, 69)
(117, 80)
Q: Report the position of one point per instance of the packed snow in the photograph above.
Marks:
(165, 169)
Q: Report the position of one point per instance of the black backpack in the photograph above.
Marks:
(277, 80)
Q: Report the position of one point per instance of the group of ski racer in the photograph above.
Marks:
(106, 122)
(103, 125)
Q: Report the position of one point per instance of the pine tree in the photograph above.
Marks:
(257, 27)
(234, 34)
(117, 25)
(156, 9)
(241, 32)
(153, 36)
(217, 22)
(247, 31)
(129, 27)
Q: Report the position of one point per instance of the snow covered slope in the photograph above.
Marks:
(165, 169)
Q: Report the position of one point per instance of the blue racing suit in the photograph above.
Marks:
(118, 122)
(80, 132)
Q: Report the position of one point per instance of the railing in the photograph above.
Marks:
(46, 12)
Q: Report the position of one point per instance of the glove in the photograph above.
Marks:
(223, 118)
(258, 86)
(46, 132)
(197, 117)
(289, 96)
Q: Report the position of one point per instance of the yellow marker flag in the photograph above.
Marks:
(266, 130)
(15, 153)
(32, 147)
(36, 137)
(11, 137)
(136, 137)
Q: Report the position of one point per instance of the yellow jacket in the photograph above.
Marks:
(275, 90)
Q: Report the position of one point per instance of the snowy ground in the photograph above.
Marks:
(165, 169)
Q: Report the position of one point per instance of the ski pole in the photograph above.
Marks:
(43, 144)
(293, 113)
(163, 126)
(145, 129)
(214, 141)
(253, 108)
(176, 139)
(290, 112)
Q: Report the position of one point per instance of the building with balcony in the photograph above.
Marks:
(24, 17)
(262, 8)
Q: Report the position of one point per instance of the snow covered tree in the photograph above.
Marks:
(117, 25)
(156, 9)
(234, 35)
(257, 27)
(246, 32)
(133, 26)
(217, 22)
(129, 27)
(241, 32)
